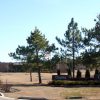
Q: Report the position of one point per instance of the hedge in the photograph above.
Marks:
(73, 83)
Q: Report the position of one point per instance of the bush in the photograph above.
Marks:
(78, 74)
(69, 72)
(73, 83)
(96, 73)
(5, 87)
(58, 71)
(87, 74)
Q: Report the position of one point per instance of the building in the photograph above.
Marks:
(4, 67)
(10, 67)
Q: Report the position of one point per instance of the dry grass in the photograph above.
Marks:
(86, 92)
(57, 93)
(24, 78)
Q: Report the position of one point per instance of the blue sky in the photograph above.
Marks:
(19, 17)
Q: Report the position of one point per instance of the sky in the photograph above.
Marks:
(19, 17)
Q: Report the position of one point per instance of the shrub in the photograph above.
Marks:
(58, 71)
(69, 72)
(5, 87)
(78, 74)
(73, 83)
(87, 74)
(96, 73)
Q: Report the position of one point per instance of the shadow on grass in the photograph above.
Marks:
(31, 98)
(49, 85)
(29, 85)
(75, 86)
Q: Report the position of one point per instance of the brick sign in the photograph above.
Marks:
(60, 77)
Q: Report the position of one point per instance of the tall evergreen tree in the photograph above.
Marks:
(38, 43)
(97, 37)
(87, 60)
(72, 41)
(34, 52)
(91, 56)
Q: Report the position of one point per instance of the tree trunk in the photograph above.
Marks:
(39, 71)
(30, 75)
(73, 56)
(73, 67)
(39, 75)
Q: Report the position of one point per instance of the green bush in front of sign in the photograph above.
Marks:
(96, 73)
(87, 74)
(73, 83)
(69, 72)
(78, 74)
